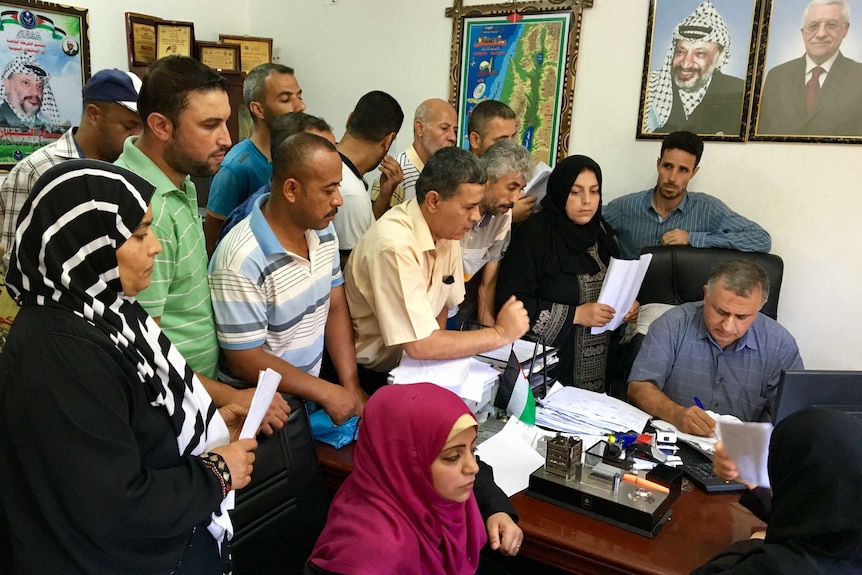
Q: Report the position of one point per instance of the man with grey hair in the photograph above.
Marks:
(406, 271)
(435, 126)
(690, 92)
(509, 166)
(818, 93)
(268, 91)
(721, 353)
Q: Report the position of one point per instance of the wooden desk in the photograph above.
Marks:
(701, 526)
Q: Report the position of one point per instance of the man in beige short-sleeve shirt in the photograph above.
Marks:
(406, 271)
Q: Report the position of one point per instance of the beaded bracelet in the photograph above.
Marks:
(218, 466)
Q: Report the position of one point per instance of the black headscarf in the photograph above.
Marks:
(65, 255)
(573, 240)
(815, 467)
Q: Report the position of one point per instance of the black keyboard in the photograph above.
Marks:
(701, 475)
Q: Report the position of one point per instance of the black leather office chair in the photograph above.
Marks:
(280, 514)
(677, 275)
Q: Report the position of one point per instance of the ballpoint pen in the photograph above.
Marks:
(699, 403)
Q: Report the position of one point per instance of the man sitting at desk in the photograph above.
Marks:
(721, 352)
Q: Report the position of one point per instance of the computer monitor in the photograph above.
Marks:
(839, 390)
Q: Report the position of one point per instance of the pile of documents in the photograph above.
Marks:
(582, 412)
(524, 350)
(472, 380)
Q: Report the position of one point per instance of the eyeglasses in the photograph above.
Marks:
(831, 26)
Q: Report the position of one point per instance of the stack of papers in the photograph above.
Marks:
(582, 412)
(468, 378)
(523, 351)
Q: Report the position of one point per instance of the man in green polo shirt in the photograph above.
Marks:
(184, 109)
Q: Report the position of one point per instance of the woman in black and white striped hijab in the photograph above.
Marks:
(113, 457)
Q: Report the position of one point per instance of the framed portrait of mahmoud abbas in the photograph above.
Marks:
(44, 62)
(809, 85)
(698, 68)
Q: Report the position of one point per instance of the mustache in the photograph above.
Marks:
(221, 150)
(332, 212)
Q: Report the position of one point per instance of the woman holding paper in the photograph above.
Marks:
(556, 264)
(409, 506)
(113, 458)
(814, 514)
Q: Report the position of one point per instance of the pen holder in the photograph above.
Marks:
(563, 456)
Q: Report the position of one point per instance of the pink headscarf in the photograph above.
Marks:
(387, 517)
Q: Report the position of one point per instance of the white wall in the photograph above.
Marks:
(806, 195)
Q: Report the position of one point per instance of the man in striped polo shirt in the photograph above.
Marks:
(277, 287)
(670, 215)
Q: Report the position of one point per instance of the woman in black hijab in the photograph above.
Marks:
(815, 521)
(113, 458)
(556, 264)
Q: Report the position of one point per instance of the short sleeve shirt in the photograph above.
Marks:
(179, 291)
(244, 170)
(397, 281)
(356, 214)
(486, 242)
(265, 296)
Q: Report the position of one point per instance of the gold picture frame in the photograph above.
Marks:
(254, 51)
(141, 34)
(484, 65)
(174, 38)
(221, 57)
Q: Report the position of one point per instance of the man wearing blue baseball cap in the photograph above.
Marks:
(110, 115)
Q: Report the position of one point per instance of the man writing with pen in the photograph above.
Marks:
(720, 354)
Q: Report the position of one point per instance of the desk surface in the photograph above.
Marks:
(702, 525)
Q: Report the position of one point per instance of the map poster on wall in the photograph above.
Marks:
(44, 61)
(521, 54)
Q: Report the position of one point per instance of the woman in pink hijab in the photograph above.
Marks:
(408, 507)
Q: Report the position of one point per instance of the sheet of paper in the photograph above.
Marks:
(465, 377)
(411, 370)
(538, 184)
(267, 385)
(620, 289)
(511, 456)
(705, 444)
(747, 444)
(582, 412)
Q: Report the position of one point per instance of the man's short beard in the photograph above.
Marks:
(696, 83)
(177, 159)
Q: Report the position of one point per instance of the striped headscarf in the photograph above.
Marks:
(705, 24)
(77, 215)
(26, 64)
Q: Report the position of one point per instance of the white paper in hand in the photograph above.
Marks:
(747, 444)
(267, 385)
(620, 289)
